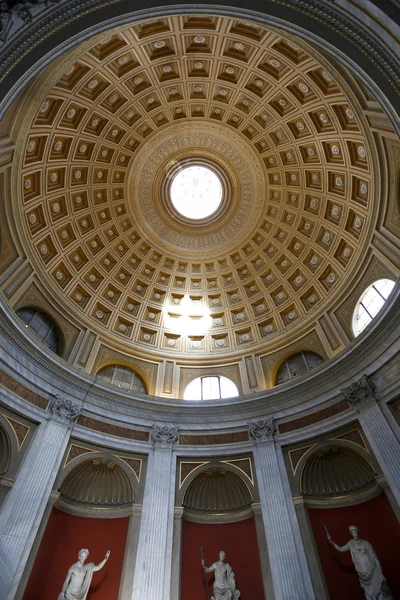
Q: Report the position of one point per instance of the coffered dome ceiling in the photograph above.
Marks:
(110, 126)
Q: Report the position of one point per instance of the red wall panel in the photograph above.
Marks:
(239, 542)
(378, 524)
(65, 535)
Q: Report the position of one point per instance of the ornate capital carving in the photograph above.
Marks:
(262, 431)
(63, 410)
(361, 393)
(163, 437)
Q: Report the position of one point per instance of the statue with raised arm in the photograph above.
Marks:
(224, 579)
(367, 565)
(79, 577)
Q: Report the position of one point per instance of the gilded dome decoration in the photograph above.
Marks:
(100, 153)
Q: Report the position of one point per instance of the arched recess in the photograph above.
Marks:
(5, 451)
(218, 515)
(207, 478)
(296, 365)
(217, 491)
(336, 474)
(339, 488)
(123, 375)
(100, 483)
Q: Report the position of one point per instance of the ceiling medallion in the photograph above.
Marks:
(242, 194)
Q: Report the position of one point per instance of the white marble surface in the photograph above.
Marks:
(26, 502)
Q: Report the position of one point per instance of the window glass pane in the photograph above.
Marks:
(106, 374)
(40, 326)
(123, 377)
(313, 360)
(296, 365)
(228, 388)
(210, 388)
(193, 390)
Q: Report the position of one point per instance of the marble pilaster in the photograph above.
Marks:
(311, 550)
(35, 547)
(381, 437)
(290, 575)
(128, 569)
(25, 504)
(263, 553)
(177, 554)
(152, 579)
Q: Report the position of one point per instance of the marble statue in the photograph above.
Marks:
(367, 565)
(79, 577)
(224, 579)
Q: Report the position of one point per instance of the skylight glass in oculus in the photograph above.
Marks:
(196, 192)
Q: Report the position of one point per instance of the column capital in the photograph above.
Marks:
(163, 437)
(361, 393)
(63, 411)
(263, 431)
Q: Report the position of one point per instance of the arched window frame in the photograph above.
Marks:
(48, 322)
(284, 362)
(360, 304)
(136, 376)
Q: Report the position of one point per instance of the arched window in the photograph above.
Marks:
(370, 303)
(123, 377)
(296, 365)
(210, 388)
(41, 326)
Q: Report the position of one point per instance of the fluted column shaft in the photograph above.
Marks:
(381, 437)
(290, 580)
(23, 509)
(152, 578)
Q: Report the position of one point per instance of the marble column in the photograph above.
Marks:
(24, 507)
(381, 437)
(290, 573)
(152, 580)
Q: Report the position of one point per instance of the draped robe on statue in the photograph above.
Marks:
(79, 579)
(369, 570)
(224, 584)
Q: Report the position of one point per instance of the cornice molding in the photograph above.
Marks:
(78, 384)
(233, 517)
(95, 513)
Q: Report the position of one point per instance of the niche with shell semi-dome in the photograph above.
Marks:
(96, 485)
(335, 474)
(217, 491)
